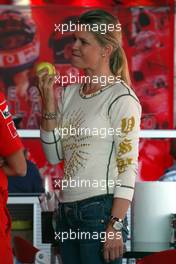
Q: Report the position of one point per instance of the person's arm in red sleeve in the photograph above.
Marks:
(11, 148)
(15, 164)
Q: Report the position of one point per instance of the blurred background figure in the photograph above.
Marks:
(61, 43)
(31, 183)
(19, 50)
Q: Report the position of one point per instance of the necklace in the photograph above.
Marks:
(83, 95)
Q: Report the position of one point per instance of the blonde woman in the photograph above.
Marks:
(92, 225)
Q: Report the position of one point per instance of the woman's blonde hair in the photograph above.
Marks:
(118, 61)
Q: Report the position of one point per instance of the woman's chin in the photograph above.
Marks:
(76, 64)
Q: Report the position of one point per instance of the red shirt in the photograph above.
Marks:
(9, 139)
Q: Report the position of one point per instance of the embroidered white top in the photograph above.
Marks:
(98, 138)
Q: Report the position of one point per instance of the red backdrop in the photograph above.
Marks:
(148, 42)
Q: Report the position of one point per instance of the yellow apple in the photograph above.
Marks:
(45, 65)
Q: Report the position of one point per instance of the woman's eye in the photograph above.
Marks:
(73, 39)
(84, 42)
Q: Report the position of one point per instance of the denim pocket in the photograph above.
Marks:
(92, 213)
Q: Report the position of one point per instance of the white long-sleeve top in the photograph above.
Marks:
(97, 138)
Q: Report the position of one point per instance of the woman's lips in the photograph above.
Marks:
(75, 55)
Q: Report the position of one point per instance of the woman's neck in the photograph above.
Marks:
(96, 80)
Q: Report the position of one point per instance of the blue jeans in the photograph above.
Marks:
(88, 217)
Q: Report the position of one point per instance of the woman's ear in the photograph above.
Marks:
(107, 51)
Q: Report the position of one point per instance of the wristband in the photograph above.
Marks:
(49, 115)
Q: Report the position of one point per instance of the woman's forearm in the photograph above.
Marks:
(49, 125)
(48, 101)
(120, 207)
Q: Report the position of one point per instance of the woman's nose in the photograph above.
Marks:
(75, 44)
